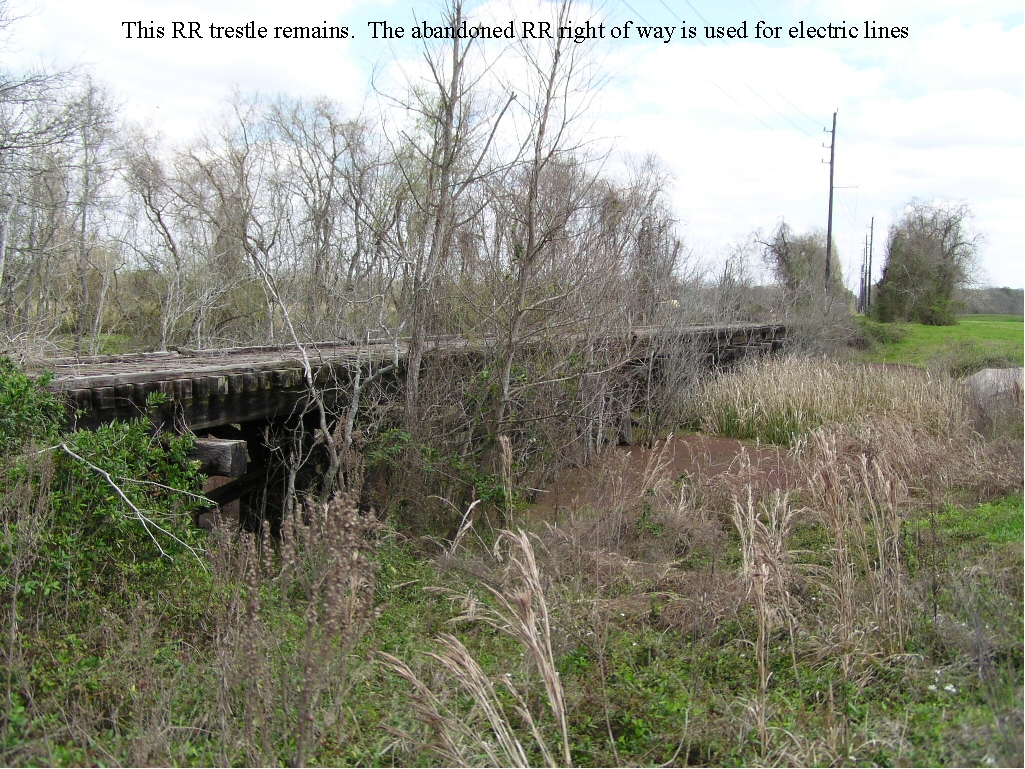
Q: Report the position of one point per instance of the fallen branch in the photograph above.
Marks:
(139, 515)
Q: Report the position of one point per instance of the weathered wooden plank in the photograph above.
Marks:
(221, 457)
(132, 357)
(103, 398)
(273, 374)
(123, 394)
(287, 377)
(141, 392)
(232, 490)
(182, 390)
(80, 376)
(83, 399)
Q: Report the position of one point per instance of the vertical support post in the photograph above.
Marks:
(829, 223)
(871, 244)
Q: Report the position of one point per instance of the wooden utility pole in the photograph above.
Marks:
(829, 223)
(871, 243)
(863, 293)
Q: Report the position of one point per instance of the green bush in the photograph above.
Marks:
(883, 333)
(27, 411)
(106, 508)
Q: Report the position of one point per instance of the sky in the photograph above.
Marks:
(933, 114)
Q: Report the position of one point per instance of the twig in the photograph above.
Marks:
(146, 522)
(201, 497)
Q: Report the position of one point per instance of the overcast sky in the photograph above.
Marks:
(738, 122)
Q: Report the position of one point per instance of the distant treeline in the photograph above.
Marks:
(991, 300)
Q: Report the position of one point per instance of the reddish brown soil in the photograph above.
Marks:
(690, 455)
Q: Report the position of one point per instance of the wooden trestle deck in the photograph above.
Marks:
(225, 396)
(206, 388)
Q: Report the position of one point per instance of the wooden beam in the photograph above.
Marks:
(221, 457)
(234, 489)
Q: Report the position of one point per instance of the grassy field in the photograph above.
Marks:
(976, 342)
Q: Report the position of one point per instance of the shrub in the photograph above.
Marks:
(931, 251)
(27, 411)
(883, 333)
(97, 548)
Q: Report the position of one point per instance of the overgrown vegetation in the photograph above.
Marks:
(782, 400)
(819, 313)
(473, 209)
(991, 300)
(931, 251)
(859, 601)
(855, 600)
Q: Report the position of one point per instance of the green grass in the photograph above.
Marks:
(976, 342)
(997, 522)
(981, 317)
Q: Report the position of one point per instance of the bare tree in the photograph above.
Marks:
(440, 159)
(37, 121)
(550, 191)
(93, 162)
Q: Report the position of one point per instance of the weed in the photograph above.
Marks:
(779, 401)
(867, 612)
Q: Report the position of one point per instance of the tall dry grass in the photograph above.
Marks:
(778, 400)
(872, 449)
(488, 733)
(862, 503)
(24, 518)
(768, 570)
(281, 695)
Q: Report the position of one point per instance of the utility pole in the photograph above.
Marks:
(871, 243)
(829, 224)
(863, 294)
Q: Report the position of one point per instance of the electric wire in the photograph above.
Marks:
(784, 98)
(736, 101)
(697, 12)
(746, 109)
(634, 12)
(773, 108)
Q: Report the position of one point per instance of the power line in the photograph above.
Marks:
(669, 9)
(871, 245)
(751, 113)
(784, 98)
(696, 11)
(691, 5)
(727, 93)
(752, 90)
(829, 223)
(677, 15)
(852, 213)
(624, 2)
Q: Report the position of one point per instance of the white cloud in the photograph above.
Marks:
(939, 114)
